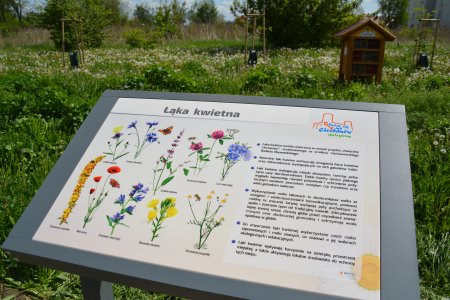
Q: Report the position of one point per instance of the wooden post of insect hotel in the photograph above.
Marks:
(362, 51)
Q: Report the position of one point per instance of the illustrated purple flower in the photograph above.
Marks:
(151, 124)
(120, 200)
(138, 186)
(159, 180)
(129, 209)
(196, 146)
(138, 198)
(119, 144)
(132, 125)
(136, 195)
(217, 134)
(116, 218)
(117, 135)
(204, 153)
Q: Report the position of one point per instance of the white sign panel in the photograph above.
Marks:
(284, 196)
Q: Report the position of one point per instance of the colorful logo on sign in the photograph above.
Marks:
(332, 128)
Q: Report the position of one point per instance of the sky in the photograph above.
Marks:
(223, 6)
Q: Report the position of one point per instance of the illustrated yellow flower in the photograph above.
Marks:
(172, 199)
(189, 196)
(367, 272)
(226, 195)
(171, 211)
(212, 192)
(152, 203)
(151, 215)
(77, 190)
(223, 201)
(117, 129)
(209, 197)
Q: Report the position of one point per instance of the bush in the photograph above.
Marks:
(258, 78)
(165, 78)
(137, 38)
(304, 79)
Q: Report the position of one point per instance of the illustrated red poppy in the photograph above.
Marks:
(92, 190)
(114, 183)
(113, 170)
(97, 178)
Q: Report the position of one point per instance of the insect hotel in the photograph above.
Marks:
(362, 51)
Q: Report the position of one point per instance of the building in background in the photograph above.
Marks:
(436, 9)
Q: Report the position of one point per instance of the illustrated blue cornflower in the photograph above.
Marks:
(145, 190)
(120, 200)
(151, 137)
(143, 140)
(131, 194)
(132, 125)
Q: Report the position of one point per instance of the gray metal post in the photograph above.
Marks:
(94, 289)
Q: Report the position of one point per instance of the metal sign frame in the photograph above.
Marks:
(399, 272)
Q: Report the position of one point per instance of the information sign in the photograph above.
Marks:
(211, 194)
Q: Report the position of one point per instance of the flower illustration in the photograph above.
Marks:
(96, 200)
(236, 152)
(79, 186)
(217, 134)
(157, 215)
(111, 170)
(135, 196)
(164, 164)
(150, 136)
(202, 153)
(118, 144)
(206, 220)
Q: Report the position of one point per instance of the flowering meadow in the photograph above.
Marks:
(42, 105)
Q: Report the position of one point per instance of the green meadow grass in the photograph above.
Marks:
(42, 105)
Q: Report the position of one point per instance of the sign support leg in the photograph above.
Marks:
(94, 289)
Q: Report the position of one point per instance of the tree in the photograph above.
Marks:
(169, 18)
(17, 7)
(393, 12)
(142, 14)
(116, 10)
(295, 23)
(203, 11)
(85, 21)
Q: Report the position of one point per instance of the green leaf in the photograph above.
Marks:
(169, 165)
(221, 141)
(10, 297)
(122, 155)
(108, 153)
(186, 172)
(109, 221)
(167, 180)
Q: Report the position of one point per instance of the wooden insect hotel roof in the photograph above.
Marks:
(361, 24)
